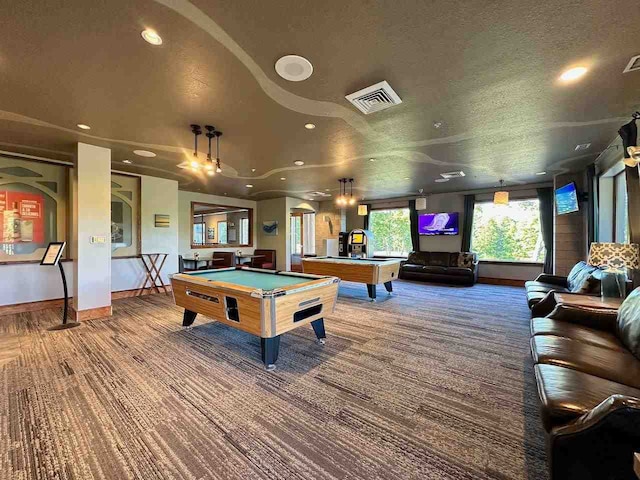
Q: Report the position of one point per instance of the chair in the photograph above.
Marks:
(266, 260)
(180, 264)
(229, 259)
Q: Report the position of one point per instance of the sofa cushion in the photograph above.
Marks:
(412, 267)
(459, 271)
(535, 297)
(560, 328)
(615, 365)
(434, 269)
(534, 286)
(566, 394)
(439, 259)
(628, 328)
(418, 258)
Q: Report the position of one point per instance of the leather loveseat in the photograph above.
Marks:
(583, 278)
(587, 369)
(448, 267)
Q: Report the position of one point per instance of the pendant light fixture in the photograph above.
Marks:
(209, 165)
(218, 166)
(195, 161)
(501, 197)
(352, 201)
(343, 199)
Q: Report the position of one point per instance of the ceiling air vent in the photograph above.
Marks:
(374, 98)
(450, 175)
(634, 64)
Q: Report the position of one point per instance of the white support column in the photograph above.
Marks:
(92, 235)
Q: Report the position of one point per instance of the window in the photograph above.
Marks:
(620, 209)
(391, 232)
(198, 233)
(33, 208)
(125, 201)
(509, 233)
(222, 232)
(244, 231)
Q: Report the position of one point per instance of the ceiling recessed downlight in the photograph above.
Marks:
(541, 173)
(128, 162)
(151, 36)
(372, 159)
(573, 74)
(84, 126)
(309, 126)
(294, 68)
(283, 178)
(441, 180)
(248, 185)
(144, 153)
(299, 163)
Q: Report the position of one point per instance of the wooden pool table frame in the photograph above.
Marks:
(265, 313)
(370, 270)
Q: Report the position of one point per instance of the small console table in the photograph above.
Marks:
(153, 263)
(588, 301)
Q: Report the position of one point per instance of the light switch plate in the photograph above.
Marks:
(98, 239)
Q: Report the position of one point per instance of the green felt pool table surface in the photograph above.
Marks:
(252, 279)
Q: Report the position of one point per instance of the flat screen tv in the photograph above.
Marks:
(438, 223)
(567, 199)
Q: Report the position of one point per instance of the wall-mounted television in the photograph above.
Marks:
(438, 223)
(567, 199)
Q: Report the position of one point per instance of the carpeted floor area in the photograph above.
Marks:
(435, 382)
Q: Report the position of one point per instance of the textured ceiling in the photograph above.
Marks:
(487, 70)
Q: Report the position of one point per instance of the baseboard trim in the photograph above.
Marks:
(91, 313)
(501, 281)
(59, 302)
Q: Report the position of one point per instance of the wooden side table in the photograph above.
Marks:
(153, 263)
(587, 301)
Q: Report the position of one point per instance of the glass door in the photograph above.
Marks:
(296, 240)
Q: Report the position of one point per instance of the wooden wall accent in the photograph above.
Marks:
(570, 230)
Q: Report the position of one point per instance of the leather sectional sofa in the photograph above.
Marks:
(449, 267)
(587, 369)
(583, 278)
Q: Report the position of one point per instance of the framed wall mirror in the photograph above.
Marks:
(220, 226)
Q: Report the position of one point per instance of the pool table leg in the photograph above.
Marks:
(318, 328)
(188, 318)
(371, 289)
(270, 348)
(389, 287)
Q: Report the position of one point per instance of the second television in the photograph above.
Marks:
(438, 223)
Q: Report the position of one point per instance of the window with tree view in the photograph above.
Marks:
(391, 232)
(509, 233)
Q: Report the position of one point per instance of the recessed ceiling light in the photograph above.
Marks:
(128, 162)
(541, 173)
(437, 124)
(298, 163)
(83, 126)
(283, 178)
(294, 68)
(441, 180)
(144, 153)
(573, 74)
(372, 159)
(253, 169)
(151, 37)
(309, 126)
(248, 185)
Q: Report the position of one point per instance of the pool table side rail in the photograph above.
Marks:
(369, 273)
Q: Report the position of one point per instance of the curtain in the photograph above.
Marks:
(467, 221)
(366, 218)
(545, 196)
(413, 219)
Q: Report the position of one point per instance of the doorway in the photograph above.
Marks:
(302, 237)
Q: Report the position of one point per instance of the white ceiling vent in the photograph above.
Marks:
(374, 98)
(634, 64)
(450, 175)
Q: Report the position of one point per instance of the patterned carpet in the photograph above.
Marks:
(435, 382)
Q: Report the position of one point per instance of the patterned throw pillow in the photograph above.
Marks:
(418, 258)
(466, 259)
(578, 274)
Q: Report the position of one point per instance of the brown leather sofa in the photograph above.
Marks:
(266, 260)
(583, 278)
(448, 267)
(228, 259)
(587, 368)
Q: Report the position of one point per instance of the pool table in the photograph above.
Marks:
(265, 303)
(371, 271)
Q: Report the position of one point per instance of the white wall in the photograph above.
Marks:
(274, 209)
(184, 221)
(31, 282)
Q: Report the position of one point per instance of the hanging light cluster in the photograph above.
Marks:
(343, 199)
(208, 165)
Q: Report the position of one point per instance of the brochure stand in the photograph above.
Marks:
(52, 258)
